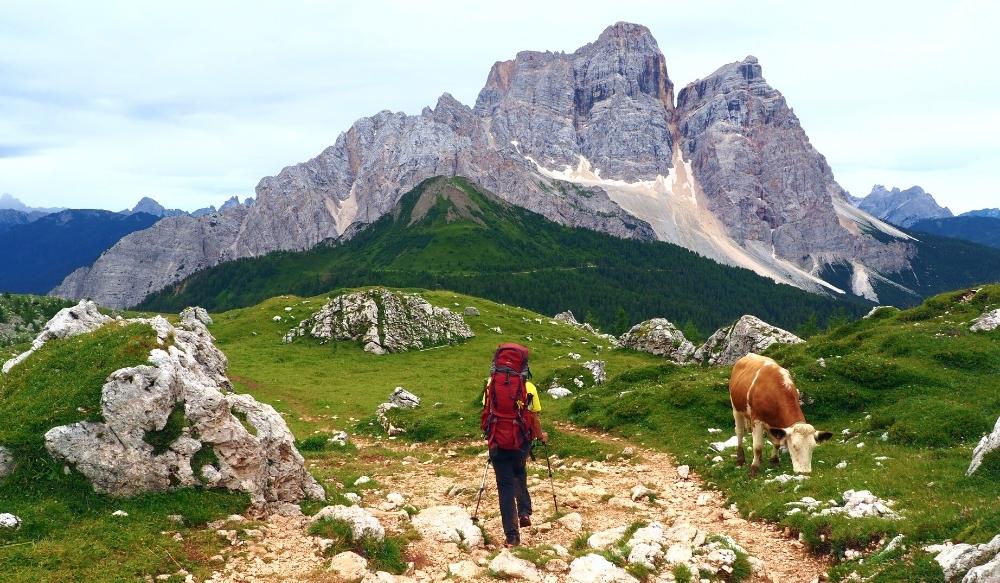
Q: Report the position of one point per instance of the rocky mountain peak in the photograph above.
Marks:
(902, 207)
(149, 206)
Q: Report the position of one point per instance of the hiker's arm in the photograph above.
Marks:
(535, 425)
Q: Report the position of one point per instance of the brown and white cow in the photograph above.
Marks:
(764, 396)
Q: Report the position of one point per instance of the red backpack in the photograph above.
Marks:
(502, 419)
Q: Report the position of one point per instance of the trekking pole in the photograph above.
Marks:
(482, 488)
(552, 483)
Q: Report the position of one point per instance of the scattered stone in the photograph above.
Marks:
(448, 524)
(989, 443)
(986, 322)
(572, 522)
(362, 480)
(574, 356)
(703, 499)
(496, 330)
(196, 313)
(349, 566)
(354, 498)
(598, 370)
(557, 566)
(404, 399)
(8, 520)
(603, 539)
(6, 462)
(724, 445)
(506, 565)
(339, 438)
(470, 311)
(381, 413)
(821, 362)
(361, 521)
(566, 317)
(383, 321)
(748, 334)
(594, 568)
(464, 569)
(73, 321)
(176, 518)
(640, 492)
(841, 465)
(559, 392)
(119, 514)
(683, 472)
(660, 337)
(677, 554)
(860, 504)
(395, 498)
(786, 478)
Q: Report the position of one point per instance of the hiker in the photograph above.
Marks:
(511, 423)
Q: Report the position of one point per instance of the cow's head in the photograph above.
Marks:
(801, 440)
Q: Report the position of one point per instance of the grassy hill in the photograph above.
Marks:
(448, 234)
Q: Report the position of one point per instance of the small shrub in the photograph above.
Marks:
(682, 574)
(174, 427)
(382, 555)
(315, 442)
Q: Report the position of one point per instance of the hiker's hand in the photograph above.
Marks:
(544, 438)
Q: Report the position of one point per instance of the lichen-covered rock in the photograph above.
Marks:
(448, 524)
(990, 442)
(594, 568)
(987, 322)
(362, 523)
(384, 321)
(79, 319)
(252, 448)
(6, 462)
(197, 313)
(660, 337)
(746, 335)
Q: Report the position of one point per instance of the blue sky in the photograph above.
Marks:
(192, 102)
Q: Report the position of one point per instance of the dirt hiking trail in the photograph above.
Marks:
(279, 548)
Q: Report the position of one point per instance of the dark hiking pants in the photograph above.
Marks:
(512, 487)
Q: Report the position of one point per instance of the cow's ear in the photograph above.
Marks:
(822, 436)
(777, 432)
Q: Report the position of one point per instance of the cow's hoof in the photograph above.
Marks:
(740, 463)
(754, 470)
(775, 462)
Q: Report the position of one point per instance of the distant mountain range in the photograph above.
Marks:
(42, 246)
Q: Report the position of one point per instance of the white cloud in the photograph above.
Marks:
(191, 102)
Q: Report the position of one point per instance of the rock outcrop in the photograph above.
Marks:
(902, 207)
(989, 443)
(969, 563)
(987, 322)
(399, 399)
(384, 321)
(363, 524)
(448, 524)
(79, 319)
(591, 138)
(660, 337)
(746, 335)
(184, 385)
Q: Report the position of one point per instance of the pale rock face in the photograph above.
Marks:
(189, 375)
(362, 523)
(987, 322)
(448, 524)
(660, 337)
(384, 321)
(989, 443)
(196, 313)
(567, 317)
(79, 319)
(961, 559)
(902, 207)
(508, 566)
(748, 334)
(594, 568)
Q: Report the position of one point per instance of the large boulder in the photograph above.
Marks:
(448, 524)
(987, 322)
(989, 443)
(249, 447)
(507, 566)
(748, 334)
(384, 321)
(660, 337)
(963, 559)
(79, 319)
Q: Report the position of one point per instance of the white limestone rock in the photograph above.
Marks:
(989, 443)
(8, 520)
(566, 317)
(404, 399)
(186, 375)
(73, 321)
(572, 522)
(384, 321)
(960, 559)
(603, 539)
(470, 311)
(448, 524)
(598, 370)
(660, 337)
(196, 313)
(362, 523)
(746, 335)
(506, 565)
(559, 392)
(594, 568)
(348, 566)
(987, 322)
(463, 570)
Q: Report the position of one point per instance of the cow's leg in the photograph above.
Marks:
(758, 446)
(741, 427)
(775, 461)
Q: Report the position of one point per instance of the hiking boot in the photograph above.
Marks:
(512, 543)
(524, 520)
